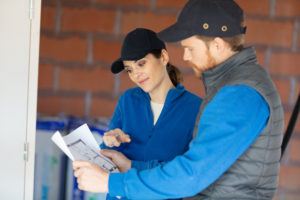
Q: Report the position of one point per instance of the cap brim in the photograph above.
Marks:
(174, 33)
(117, 66)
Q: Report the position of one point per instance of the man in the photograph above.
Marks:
(236, 150)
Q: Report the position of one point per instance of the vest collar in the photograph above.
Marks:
(246, 56)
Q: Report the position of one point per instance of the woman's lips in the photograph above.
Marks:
(143, 81)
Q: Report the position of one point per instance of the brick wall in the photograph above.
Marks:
(80, 39)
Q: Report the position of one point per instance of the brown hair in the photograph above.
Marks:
(173, 72)
(236, 42)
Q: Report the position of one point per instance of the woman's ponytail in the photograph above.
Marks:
(174, 74)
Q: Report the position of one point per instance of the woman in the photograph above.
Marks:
(153, 122)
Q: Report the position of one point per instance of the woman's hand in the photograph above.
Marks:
(115, 138)
(90, 177)
(122, 162)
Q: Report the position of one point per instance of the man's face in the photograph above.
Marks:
(198, 55)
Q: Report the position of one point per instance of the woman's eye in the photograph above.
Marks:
(128, 70)
(141, 64)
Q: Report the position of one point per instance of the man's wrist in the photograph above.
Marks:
(129, 165)
(116, 185)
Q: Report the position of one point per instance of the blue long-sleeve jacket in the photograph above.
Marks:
(170, 136)
(236, 110)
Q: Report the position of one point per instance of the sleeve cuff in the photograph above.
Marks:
(139, 165)
(116, 185)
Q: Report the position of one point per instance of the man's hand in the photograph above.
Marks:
(115, 138)
(122, 162)
(90, 177)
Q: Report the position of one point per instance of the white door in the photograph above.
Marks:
(19, 40)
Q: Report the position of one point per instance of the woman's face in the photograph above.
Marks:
(148, 72)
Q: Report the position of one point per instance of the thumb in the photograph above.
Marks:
(80, 163)
(107, 153)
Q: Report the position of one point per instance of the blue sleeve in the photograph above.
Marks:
(229, 125)
(142, 165)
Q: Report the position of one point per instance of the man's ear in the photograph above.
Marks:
(220, 45)
(220, 49)
(164, 56)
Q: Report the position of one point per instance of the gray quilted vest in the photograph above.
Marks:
(255, 174)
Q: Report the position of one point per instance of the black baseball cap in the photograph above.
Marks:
(213, 18)
(137, 44)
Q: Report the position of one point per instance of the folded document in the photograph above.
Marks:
(80, 144)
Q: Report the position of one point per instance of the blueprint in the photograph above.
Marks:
(80, 144)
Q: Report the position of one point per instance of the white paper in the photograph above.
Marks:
(80, 144)
(59, 141)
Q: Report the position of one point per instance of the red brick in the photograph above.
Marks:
(261, 55)
(46, 75)
(106, 51)
(289, 177)
(291, 196)
(125, 82)
(267, 32)
(171, 3)
(102, 107)
(288, 8)
(284, 88)
(294, 150)
(48, 15)
(285, 63)
(55, 105)
(176, 55)
(87, 20)
(277, 196)
(150, 20)
(130, 21)
(157, 22)
(194, 85)
(299, 39)
(257, 7)
(72, 1)
(287, 118)
(287, 195)
(67, 49)
(95, 79)
(127, 2)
